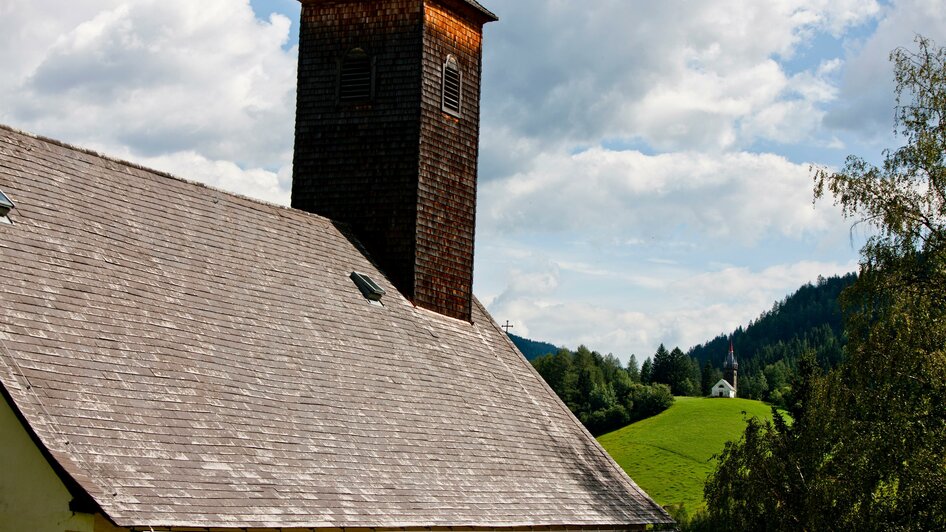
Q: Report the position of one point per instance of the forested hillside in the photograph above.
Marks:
(532, 349)
(605, 395)
(769, 348)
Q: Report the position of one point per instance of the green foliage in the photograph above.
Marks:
(866, 451)
(765, 480)
(670, 455)
(647, 371)
(633, 370)
(649, 400)
(888, 400)
(708, 377)
(599, 391)
(676, 370)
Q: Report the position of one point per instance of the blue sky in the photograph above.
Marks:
(644, 167)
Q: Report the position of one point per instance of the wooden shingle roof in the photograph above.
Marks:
(194, 358)
(486, 14)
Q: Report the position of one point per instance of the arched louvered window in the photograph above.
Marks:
(452, 86)
(355, 83)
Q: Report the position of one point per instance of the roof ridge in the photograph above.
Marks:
(160, 173)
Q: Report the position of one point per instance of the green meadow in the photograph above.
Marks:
(670, 455)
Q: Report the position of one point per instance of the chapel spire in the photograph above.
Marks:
(731, 367)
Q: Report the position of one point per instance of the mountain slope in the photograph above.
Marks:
(532, 349)
(809, 319)
(670, 455)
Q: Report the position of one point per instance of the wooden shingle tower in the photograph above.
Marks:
(387, 134)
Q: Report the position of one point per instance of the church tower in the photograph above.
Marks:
(731, 368)
(387, 136)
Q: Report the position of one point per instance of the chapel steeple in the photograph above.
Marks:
(731, 367)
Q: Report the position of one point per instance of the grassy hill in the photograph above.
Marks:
(670, 455)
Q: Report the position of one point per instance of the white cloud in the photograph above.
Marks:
(206, 91)
(172, 80)
(626, 195)
(867, 92)
(674, 75)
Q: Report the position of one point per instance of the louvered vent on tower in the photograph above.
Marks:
(355, 83)
(452, 83)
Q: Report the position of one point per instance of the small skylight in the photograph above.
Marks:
(368, 287)
(6, 205)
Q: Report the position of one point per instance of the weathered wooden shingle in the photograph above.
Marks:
(485, 14)
(398, 169)
(195, 358)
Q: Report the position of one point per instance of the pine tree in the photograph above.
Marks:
(633, 371)
(647, 371)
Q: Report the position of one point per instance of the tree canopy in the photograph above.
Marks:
(866, 448)
(600, 392)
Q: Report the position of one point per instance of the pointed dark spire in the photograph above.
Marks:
(731, 357)
(731, 367)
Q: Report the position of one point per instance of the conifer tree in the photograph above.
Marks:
(633, 371)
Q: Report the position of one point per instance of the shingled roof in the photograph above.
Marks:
(193, 358)
(486, 14)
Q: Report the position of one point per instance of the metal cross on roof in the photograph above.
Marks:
(507, 326)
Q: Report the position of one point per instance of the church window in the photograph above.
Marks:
(452, 86)
(355, 83)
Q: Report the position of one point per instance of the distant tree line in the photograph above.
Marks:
(603, 394)
(681, 373)
(532, 349)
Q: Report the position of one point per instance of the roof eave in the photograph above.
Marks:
(484, 14)
(82, 501)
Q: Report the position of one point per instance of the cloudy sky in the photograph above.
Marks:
(644, 167)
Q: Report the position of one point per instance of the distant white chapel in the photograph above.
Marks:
(726, 387)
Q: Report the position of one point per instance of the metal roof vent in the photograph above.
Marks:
(368, 287)
(6, 204)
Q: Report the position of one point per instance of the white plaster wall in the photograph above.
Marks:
(32, 498)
